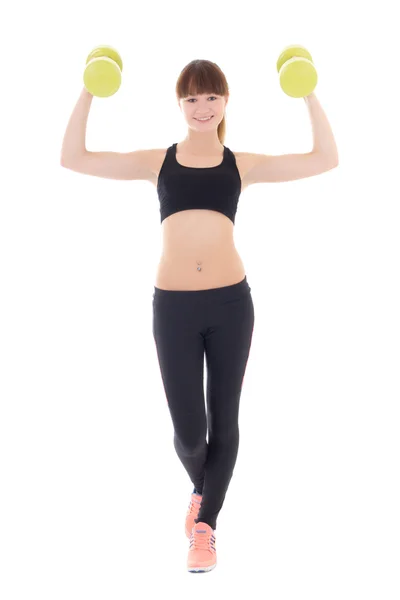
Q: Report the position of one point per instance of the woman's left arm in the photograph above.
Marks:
(323, 139)
(264, 168)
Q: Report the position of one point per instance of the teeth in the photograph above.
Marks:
(207, 119)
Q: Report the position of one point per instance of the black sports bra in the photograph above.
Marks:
(214, 188)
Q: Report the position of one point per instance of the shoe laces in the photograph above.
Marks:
(202, 539)
(194, 505)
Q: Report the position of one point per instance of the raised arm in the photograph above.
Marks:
(110, 165)
(264, 168)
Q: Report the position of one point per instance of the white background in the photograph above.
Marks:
(93, 497)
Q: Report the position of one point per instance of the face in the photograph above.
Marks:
(203, 105)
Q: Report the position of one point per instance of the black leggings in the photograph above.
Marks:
(187, 325)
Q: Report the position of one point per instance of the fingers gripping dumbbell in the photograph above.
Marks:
(102, 75)
(297, 74)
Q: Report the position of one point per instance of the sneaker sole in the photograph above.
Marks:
(201, 569)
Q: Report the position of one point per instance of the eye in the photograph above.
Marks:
(195, 98)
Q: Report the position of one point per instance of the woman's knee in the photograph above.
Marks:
(225, 436)
(190, 446)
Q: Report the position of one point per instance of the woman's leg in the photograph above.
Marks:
(227, 347)
(180, 350)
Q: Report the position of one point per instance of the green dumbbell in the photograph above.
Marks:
(297, 74)
(102, 76)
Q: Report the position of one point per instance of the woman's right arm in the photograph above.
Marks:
(109, 165)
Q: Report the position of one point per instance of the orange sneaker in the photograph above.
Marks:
(192, 513)
(202, 553)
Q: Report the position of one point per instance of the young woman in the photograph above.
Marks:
(202, 303)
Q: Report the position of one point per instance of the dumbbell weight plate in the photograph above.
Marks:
(102, 77)
(298, 77)
(108, 51)
(290, 52)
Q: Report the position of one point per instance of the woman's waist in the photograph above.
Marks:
(184, 255)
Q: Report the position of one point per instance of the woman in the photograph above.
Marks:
(202, 303)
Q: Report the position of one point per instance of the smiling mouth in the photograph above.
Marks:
(208, 119)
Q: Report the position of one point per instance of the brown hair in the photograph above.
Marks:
(203, 77)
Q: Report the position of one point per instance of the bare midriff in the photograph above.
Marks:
(198, 250)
